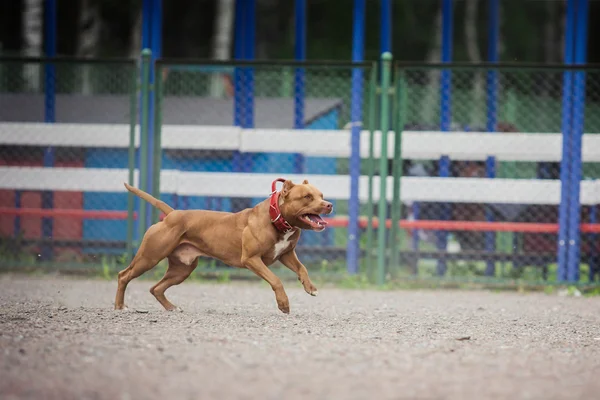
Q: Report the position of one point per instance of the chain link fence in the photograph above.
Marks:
(65, 129)
(510, 102)
(245, 120)
(226, 130)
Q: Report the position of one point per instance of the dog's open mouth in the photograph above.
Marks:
(315, 221)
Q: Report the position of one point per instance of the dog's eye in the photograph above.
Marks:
(308, 197)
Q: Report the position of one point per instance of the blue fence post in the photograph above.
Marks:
(49, 117)
(358, 49)
(492, 116)
(565, 164)
(299, 78)
(386, 26)
(238, 54)
(577, 130)
(446, 117)
(249, 47)
(151, 39)
(243, 108)
(239, 101)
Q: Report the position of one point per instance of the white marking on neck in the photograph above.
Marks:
(283, 244)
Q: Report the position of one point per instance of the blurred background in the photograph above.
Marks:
(270, 88)
(530, 30)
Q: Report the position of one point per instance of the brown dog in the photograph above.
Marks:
(253, 238)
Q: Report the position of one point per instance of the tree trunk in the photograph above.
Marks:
(476, 108)
(550, 32)
(90, 25)
(429, 106)
(550, 52)
(32, 34)
(135, 40)
(222, 39)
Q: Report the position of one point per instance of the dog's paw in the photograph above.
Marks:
(121, 307)
(284, 306)
(310, 289)
(285, 309)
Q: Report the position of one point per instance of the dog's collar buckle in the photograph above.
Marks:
(275, 213)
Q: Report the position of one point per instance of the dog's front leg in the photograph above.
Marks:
(256, 265)
(290, 260)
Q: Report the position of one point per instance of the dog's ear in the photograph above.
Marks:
(287, 186)
(305, 182)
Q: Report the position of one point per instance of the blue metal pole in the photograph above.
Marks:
(565, 164)
(446, 116)
(146, 44)
(299, 79)
(492, 116)
(238, 54)
(358, 53)
(240, 160)
(155, 34)
(300, 55)
(386, 26)
(248, 83)
(250, 44)
(49, 116)
(574, 235)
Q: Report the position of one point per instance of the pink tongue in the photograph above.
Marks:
(316, 218)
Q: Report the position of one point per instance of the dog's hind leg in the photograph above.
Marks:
(177, 272)
(156, 245)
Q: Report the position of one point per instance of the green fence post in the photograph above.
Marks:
(386, 61)
(510, 239)
(145, 89)
(286, 83)
(401, 99)
(131, 155)
(371, 165)
(158, 95)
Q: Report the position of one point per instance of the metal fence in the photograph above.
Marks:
(65, 128)
(246, 121)
(475, 205)
(473, 159)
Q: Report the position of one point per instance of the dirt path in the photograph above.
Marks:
(60, 339)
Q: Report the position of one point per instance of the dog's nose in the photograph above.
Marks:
(328, 206)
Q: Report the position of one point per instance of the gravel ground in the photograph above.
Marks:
(60, 339)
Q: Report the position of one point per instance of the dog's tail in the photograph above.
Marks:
(161, 205)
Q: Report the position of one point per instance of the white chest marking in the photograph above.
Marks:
(282, 244)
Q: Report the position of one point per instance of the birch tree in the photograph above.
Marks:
(33, 12)
(135, 40)
(429, 106)
(221, 45)
(89, 25)
(473, 51)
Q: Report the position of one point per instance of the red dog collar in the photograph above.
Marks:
(275, 213)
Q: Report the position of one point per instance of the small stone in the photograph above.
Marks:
(142, 311)
(463, 338)
(22, 351)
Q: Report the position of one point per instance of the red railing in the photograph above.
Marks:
(336, 222)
